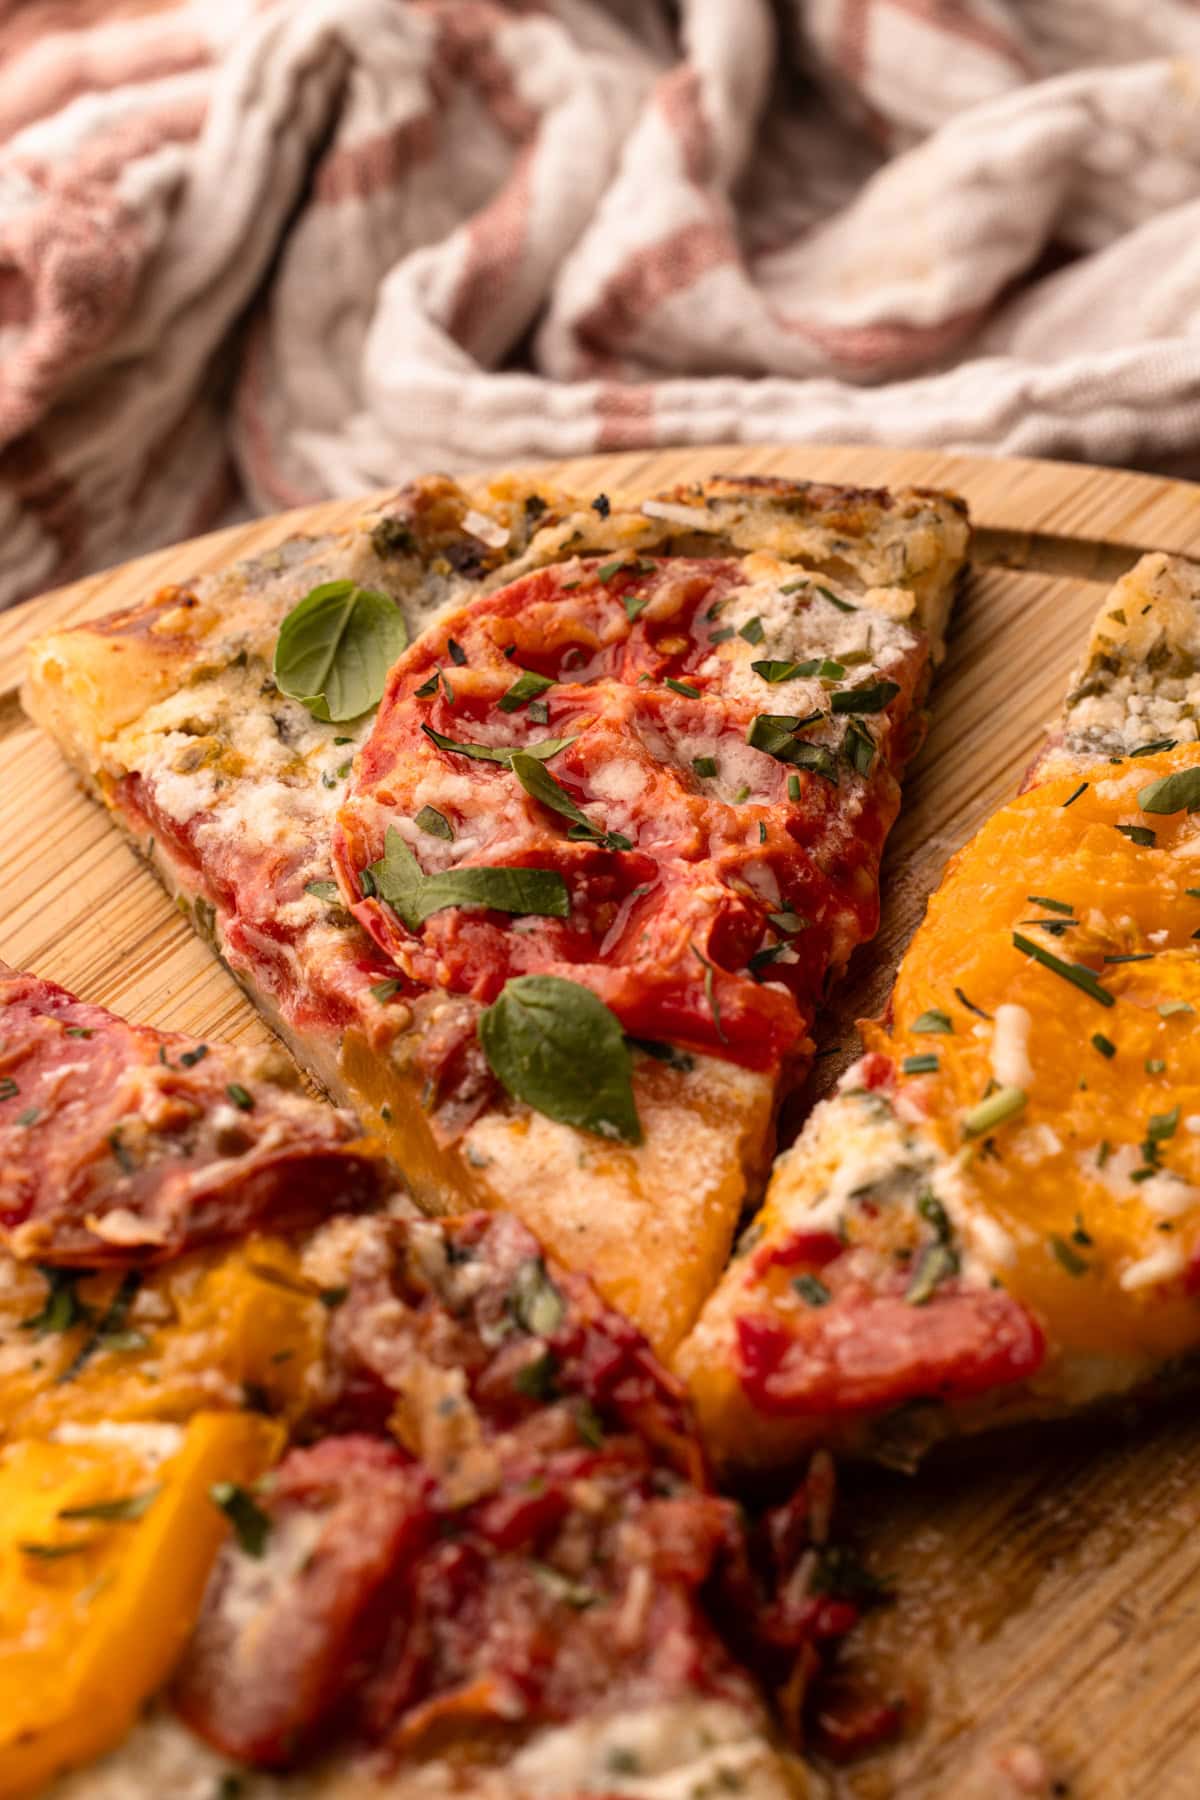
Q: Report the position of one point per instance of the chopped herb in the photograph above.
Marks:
(1155, 1065)
(427, 687)
(772, 733)
(124, 1510)
(635, 605)
(526, 687)
(1004, 1104)
(250, 1523)
(343, 740)
(752, 630)
(51, 1552)
(322, 890)
(1058, 906)
(600, 504)
(8, 1088)
(190, 1058)
(762, 958)
(1104, 1045)
(121, 1156)
(1192, 893)
(793, 787)
(1158, 744)
(789, 922)
(589, 1425)
(933, 1020)
(936, 1263)
(497, 753)
(1175, 793)
(243, 1100)
(1079, 1235)
(723, 636)
(705, 766)
(858, 747)
(812, 1290)
(1070, 801)
(62, 1308)
(682, 687)
(457, 654)
(1081, 977)
(110, 1333)
(1070, 1259)
(434, 823)
(710, 993)
(1103, 1152)
(664, 1053)
(970, 1004)
(534, 1301)
(536, 1379)
(366, 882)
(1138, 834)
(383, 991)
(30, 1116)
(79, 1031)
(539, 712)
(447, 687)
(333, 1297)
(935, 1214)
(1133, 956)
(925, 1064)
(609, 569)
(575, 1594)
(762, 831)
(872, 698)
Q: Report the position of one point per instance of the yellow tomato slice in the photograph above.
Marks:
(106, 1542)
(216, 1329)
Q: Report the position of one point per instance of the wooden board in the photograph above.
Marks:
(1049, 1590)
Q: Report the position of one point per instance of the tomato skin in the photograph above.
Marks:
(670, 922)
(262, 1695)
(869, 1350)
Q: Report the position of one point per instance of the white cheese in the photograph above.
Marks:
(1160, 1265)
(154, 1444)
(1010, 1046)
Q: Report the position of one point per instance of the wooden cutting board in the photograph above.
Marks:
(1048, 1590)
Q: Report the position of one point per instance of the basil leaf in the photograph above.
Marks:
(553, 1044)
(414, 896)
(498, 753)
(434, 823)
(541, 785)
(870, 699)
(335, 648)
(1179, 792)
(824, 667)
(526, 687)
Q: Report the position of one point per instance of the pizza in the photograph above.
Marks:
(997, 1216)
(297, 1484)
(549, 896)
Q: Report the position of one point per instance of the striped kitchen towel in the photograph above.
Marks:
(259, 252)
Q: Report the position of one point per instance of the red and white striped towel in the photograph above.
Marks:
(295, 248)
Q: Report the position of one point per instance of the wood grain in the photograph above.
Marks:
(1048, 1589)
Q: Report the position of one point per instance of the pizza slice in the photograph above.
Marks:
(221, 727)
(394, 1505)
(997, 1217)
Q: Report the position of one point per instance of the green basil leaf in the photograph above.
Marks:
(414, 896)
(526, 687)
(335, 648)
(434, 823)
(1179, 792)
(498, 753)
(555, 1045)
(127, 1508)
(540, 783)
